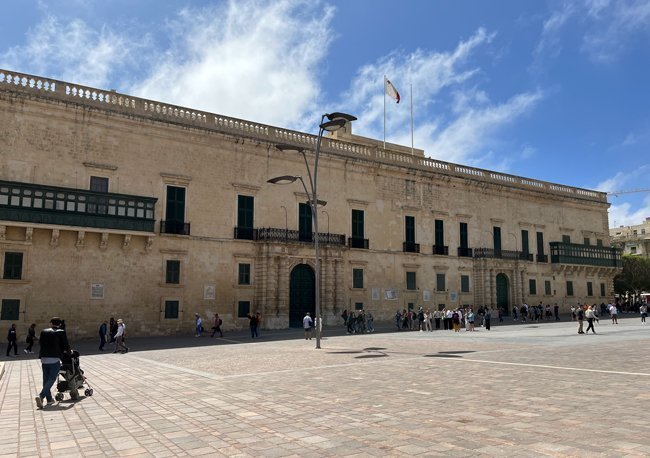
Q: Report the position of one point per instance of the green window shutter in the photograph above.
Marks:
(357, 278)
(547, 287)
(464, 239)
(358, 229)
(525, 248)
(171, 310)
(464, 283)
(569, 288)
(245, 212)
(304, 222)
(409, 226)
(590, 289)
(175, 204)
(411, 283)
(173, 272)
(532, 286)
(440, 282)
(439, 232)
(244, 274)
(496, 233)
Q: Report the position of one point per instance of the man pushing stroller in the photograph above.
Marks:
(54, 343)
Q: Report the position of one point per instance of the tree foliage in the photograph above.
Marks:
(635, 277)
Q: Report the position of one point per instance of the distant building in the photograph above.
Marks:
(112, 205)
(632, 240)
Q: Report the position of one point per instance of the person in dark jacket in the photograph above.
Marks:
(103, 330)
(11, 340)
(53, 343)
(31, 337)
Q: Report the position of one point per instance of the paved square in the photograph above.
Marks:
(518, 390)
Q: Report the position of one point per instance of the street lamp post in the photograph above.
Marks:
(335, 121)
(286, 223)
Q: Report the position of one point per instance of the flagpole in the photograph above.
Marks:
(411, 119)
(384, 111)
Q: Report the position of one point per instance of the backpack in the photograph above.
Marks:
(220, 321)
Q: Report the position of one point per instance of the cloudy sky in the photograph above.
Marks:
(552, 90)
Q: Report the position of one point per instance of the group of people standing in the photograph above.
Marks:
(446, 319)
(116, 333)
(535, 313)
(358, 322)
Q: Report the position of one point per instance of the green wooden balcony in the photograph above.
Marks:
(590, 255)
(34, 203)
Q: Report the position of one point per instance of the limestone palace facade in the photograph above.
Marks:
(116, 206)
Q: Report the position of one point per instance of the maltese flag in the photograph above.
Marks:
(392, 90)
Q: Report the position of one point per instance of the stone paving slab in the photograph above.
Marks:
(528, 390)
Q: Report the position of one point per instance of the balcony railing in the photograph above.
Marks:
(174, 227)
(542, 258)
(502, 254)
(34, 203)
(272, 234)
(575, 253)
(464, 252)
(410, 247)
(441, 250)
(358, 242)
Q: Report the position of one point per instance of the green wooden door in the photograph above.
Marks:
(502, 293)
(302, 294)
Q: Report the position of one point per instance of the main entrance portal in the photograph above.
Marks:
(502, 294)
(302, 294)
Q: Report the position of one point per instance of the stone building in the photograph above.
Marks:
(112, 205)
(633, 240)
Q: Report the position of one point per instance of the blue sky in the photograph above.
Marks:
(552, 90)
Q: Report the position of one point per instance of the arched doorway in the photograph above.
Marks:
(302, 294)
(502, 293)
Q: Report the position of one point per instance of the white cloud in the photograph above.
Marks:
(248, 59)
(624, 214)
(549, 44)
(72, 52)
(627, 209)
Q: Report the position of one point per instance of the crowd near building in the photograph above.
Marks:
(113, 205)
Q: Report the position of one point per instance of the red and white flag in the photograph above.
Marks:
(392, 90)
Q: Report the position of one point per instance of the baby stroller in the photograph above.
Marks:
(71, 377)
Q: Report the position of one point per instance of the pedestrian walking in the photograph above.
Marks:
(252, 324)
(613, 311)
(590, 314)
(12, 337)
(307, 324)
(103, 330)
(198, 322)
(556, 312)
(53, 344)
(120, 338)
(216, 326)
(644, 312)
(112, 328)
(487, 316)
(31, 337)
(581, 317)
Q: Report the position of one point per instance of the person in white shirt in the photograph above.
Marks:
(307, 323)
(644, 312)
(590, 314)
(120, 338)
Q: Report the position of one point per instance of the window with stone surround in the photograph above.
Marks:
(590, 289)
(13, 265)
(244, 277)
(171, 309)
(464, 283)
(532, 286)
(173, 272)
(440, 282)
(10, 310)
(411, 283)
(357, 278)
(569, 288)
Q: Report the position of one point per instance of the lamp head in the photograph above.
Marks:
(339, 115)
(285, 147)
(284, 179)
(331, 126)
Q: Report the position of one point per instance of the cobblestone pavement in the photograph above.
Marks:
(527, 390)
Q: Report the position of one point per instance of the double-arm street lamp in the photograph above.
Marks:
(335, 121)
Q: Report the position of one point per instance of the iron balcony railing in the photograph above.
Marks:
(441, 250)
(542, 258)
(42, 204)
(575, 253)
(410, 247)
(464, 252)
(273, 234)
(174, 227)
(358, 242)
(502, 254)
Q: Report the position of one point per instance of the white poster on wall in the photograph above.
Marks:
(390, 294)
(426, 295)
(453, 296)
(376, 294)
(209, 292)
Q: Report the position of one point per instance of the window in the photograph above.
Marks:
(464, 241)
(99, 184)
(566, 239)
(175, 211)
(602, 290)
(13, 266)
(547, 287)
(540, 243)
(569, 288)
(440, 282)
(409, 229)
(411, 306)
(358, 306)
(525, 248)
(439, 232)
(357, 224)
(590, 289)
(304, 222)
(357, 278)
(599, 242)
(410, 281)
(587, 241)
(10, 309)
(173, 272)
(464, 283)
(244, 274)
(633, 250)
(245, 211)
(532, 287)
(496, 239)
(171, 310)
(243, 309)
